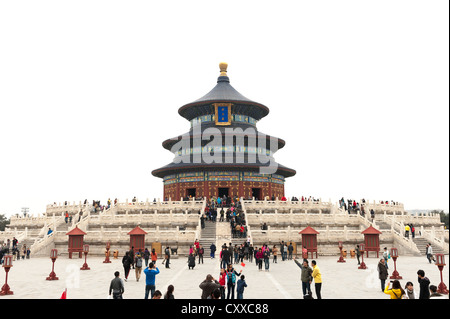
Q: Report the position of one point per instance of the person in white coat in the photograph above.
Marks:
(410, 293)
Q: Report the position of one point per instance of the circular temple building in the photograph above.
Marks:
(223, 153)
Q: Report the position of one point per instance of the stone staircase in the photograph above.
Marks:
(208, 236)
(421, 244)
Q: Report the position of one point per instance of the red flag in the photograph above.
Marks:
(242, 264)
(64, 294)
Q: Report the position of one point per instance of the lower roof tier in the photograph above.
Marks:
(269, 168)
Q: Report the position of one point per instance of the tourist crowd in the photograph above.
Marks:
(11, 247)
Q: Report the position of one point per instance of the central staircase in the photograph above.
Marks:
(208, 236)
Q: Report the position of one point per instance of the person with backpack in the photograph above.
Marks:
(231, 280)
(146, 256)
(138, 266)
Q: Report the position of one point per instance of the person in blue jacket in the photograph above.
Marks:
(150, 274)
(241, 284)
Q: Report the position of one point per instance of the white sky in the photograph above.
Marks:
(90, 89)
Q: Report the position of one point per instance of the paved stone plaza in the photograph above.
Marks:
(27, 278)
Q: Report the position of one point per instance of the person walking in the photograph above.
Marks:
(131, 254)
(290, 250)
(382, 273)
(231, 280)
(396, 292)
(236, 254)
(266, 255)
(230, 250)
(358, 253)
(150, 274)
(138, 266)
(116, 287)
(126, 263)
(200, 253)
(259, 258)
(275, 253)
(241, 284)
(424, 284)
(306, 276)
(166, 260)
(154, 256)
(429, 253)
(213, 250)
(146, 256)
(407, 229)
(250, 253)
(317, 276)
(226, 256)
(208, 286)
(282, 250)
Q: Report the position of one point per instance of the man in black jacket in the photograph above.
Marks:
(424, 283)
(225, 258)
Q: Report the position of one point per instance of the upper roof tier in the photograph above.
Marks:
(223, 92)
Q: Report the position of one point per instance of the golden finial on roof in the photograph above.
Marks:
(223, 68)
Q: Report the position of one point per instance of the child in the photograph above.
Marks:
(241, 284)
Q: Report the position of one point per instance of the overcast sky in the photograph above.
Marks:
(90, 89)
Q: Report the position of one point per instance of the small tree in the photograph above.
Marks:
(443, 215)
(3, 222)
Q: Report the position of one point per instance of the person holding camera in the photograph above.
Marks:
(150, 274)
(396, 292)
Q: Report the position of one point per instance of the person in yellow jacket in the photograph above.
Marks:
(317, 276)
(396, 292)
(407, 229)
